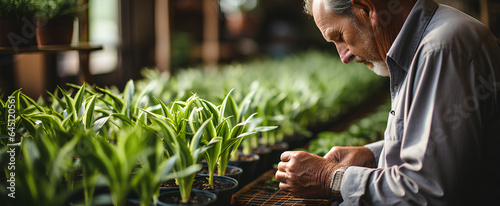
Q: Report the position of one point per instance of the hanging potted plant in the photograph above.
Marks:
(55, 21)
(17, 27)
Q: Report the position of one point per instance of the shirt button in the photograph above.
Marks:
(396, 88)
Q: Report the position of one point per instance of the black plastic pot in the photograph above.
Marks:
(248, 167)
(236, 175)
(172, 193)
(264, 164)
(296, 141)
(101, 196)
(276, 151)
(223, 195)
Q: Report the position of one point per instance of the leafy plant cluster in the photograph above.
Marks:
(363, 131)
(90, 138)
(297, 93)
(18, 7)
(51, 9)
(44, 9)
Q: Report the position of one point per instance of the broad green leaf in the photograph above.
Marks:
(123, 118)
(210, 107)
(81, 109)
(128, 96)
(79, 97)
(190, 170)
(87, 90)
(50, 120)
(224, 102)
(38, 107)
(234, 109)
(29, 125)
(105, 112)
(118, 103)
(137, 101)
(63, 154)
(58, 100)
(265, 128)
(98, 124)
(197, 136)
(70, 107)
(165, 110)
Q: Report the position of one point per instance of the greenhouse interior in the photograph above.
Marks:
(245, 102)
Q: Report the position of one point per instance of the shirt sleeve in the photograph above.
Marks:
(438, 139)
(376, 148)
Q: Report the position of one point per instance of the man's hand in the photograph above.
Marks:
(352, 156)
(305, 175)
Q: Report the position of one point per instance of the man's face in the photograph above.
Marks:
(353, 37)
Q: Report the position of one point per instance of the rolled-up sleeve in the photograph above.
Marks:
(376, 148)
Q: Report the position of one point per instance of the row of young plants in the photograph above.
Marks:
(77, 143)
(80, 142)
(302, 94)
(366, 130)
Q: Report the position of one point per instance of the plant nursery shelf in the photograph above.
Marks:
(83, 49)
(50, 48)
(262, 192)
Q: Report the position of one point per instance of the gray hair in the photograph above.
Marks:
(341, 7)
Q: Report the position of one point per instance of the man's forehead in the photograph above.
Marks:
(321, 16)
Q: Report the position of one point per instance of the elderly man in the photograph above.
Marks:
(443, 133)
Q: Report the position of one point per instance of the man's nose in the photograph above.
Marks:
(345, 53)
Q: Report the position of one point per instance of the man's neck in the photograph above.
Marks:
(391, 20)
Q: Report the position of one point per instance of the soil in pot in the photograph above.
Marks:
(101, 196)
(231, 171)
(248, 163)
(224, 187)
(198, 197)
(169, 183)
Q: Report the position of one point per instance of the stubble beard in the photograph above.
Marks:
(377, 66)
(380, 68)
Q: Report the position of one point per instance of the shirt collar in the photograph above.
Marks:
(402, 51)
(406, 43)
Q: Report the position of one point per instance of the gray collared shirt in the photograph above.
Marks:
(442, 142)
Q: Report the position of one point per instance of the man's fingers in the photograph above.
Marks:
(280, 176)
(283, 186)
(282, 166)
(285, 156)
(332, 154)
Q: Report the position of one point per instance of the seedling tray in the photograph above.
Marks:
(261, 192)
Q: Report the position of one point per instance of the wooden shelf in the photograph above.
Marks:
(50, 48)
(83, 49)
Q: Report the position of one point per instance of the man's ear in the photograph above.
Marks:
(367, 9)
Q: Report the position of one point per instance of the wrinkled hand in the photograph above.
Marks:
(305, 175)
(352, 156)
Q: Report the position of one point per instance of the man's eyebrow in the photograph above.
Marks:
(331, 35)
(328, 35)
